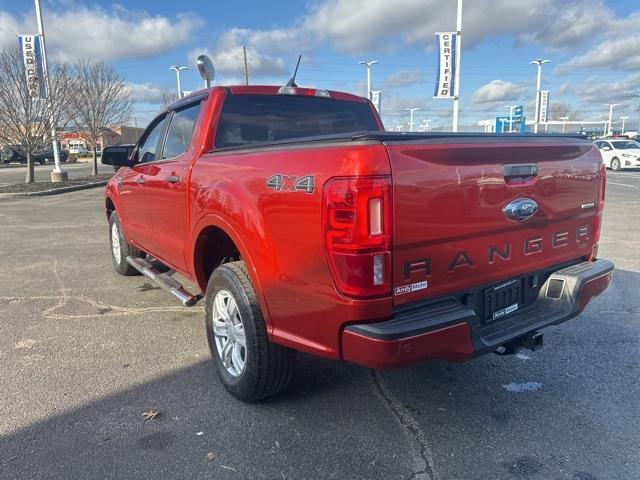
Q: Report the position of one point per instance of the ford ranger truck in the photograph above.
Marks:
(307, 227)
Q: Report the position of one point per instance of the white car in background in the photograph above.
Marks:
(78, 149)
(619, 154)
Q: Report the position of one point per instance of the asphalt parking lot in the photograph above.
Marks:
(83, 353)
(15, 173)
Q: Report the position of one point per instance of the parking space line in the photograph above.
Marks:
(621, 184)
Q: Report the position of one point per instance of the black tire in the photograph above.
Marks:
(120, 264)
(268, 367)
(615, 164)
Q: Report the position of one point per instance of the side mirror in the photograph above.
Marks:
(118, 155)
(606, 149)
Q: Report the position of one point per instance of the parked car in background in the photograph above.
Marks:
(17, 154)
(619, 154)
(78, 149)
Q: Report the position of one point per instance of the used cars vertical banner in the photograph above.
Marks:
(447, 44)
(544, 105)
(31, 48)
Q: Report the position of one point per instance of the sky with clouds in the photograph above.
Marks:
(593, 45)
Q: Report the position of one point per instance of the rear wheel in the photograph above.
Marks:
(248, 364)
(120, 248)
(615, 163)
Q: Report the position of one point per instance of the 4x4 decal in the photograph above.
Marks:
(292, 183)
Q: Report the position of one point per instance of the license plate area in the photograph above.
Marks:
(503, 299)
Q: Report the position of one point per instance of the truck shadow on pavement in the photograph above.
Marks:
(326, 425)
(331, 422)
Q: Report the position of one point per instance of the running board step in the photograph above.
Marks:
(164, 281)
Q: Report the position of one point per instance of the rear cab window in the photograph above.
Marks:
(255, 119)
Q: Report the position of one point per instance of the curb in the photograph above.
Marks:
(55, 191)
(48, 164)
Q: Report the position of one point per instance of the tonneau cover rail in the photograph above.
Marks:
(405, 137)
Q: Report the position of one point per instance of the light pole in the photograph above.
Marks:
(611, 105)
(538, 62)
(564, 119)
(369, 64)
(456, 85)
(624, 119)
(511, 109)
(57, 175)
(411, 110)
(178, 70)
(426, 125)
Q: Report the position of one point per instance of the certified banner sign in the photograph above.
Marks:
(376, 99)
(31, 49)
(447, 43)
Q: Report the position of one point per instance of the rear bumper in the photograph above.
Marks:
(448, 329)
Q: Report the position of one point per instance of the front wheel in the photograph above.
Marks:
(615, 164)
(120, 248)
(248, 364)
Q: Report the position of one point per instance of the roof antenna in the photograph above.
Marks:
(292, 80)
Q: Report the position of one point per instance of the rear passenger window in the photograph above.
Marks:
(180, 131)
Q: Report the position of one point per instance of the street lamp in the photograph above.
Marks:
(411, 110)
(369, 64)
(57, 175)
(624, 119)
(564, 119)
(511, 109)
(538, 62)
(611, 105)
(178, 70)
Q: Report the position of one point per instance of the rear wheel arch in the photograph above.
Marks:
(213, 247)
(217, 243)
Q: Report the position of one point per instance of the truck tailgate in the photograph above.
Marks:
(450, 229)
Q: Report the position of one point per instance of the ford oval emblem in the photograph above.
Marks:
(520, 209)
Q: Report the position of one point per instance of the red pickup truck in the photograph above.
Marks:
(307, 227)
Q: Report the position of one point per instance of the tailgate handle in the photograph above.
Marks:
(520, 170)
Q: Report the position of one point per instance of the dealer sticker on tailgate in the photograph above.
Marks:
(410, 288)
(505, 311)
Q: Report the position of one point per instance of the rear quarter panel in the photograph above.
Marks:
(279, 234)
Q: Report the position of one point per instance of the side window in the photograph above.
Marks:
(608, 145)
(180, 131)
(149, 147)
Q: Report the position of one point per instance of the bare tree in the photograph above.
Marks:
(25, 121)
(168, 99)
(557, 110)
(101, 102)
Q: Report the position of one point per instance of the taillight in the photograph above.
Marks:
(357, 234)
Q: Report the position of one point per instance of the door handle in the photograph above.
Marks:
(140, 180)
(172, 179)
